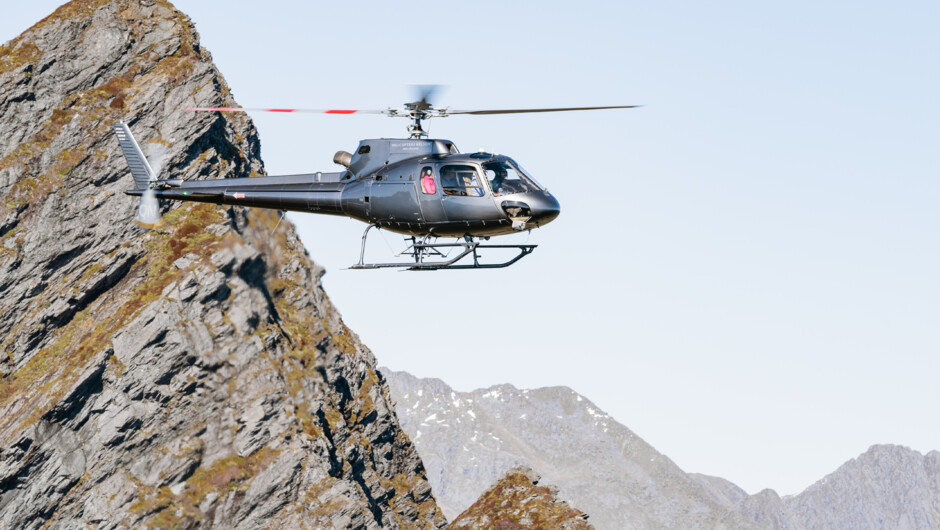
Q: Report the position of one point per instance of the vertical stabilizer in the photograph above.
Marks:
(140, 168)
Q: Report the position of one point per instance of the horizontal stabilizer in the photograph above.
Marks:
(140, 169)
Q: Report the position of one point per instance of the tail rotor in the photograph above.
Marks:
(148, 211)
(145, 175)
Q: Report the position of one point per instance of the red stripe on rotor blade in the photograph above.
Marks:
(214, 109)
(280, 110)
(341, 112)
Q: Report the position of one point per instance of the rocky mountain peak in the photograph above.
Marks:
(517, 500)
(888, 486)
(196, 374)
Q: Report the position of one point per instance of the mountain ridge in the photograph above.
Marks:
(468, 438)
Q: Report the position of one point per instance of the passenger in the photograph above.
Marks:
(427, 182)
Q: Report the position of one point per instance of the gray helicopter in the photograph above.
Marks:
(422, 188)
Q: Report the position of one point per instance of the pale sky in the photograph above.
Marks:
(744, 272)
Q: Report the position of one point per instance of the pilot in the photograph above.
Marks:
(497, 182)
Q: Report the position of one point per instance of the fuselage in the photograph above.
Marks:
(415, 187)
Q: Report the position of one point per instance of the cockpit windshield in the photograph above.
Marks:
(506, 177)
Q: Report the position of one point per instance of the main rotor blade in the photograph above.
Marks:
(523, 111)
(316, 111)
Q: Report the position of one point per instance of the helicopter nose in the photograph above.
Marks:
(545, 209)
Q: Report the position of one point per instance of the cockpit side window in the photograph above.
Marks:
(461, 180)
(505, 178)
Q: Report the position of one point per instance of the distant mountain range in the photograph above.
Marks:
(467, 440)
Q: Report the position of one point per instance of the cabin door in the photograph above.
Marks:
(465, 198)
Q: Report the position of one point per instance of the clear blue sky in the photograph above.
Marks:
(744, 271)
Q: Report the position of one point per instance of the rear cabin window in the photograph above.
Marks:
(427, 181)
(461, 180)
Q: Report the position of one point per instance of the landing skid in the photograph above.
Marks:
(424, 249)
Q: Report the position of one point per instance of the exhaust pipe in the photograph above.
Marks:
(342, 158)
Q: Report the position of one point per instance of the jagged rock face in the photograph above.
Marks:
(468, 439)
(517, 501)
(195, 375)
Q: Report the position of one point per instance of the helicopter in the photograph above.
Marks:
(420, 187)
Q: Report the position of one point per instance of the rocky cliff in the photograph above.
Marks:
(469, 439)
(194, 375)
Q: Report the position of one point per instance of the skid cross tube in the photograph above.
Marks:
(424, 249)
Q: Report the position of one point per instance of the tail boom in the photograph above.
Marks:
(324, 197)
